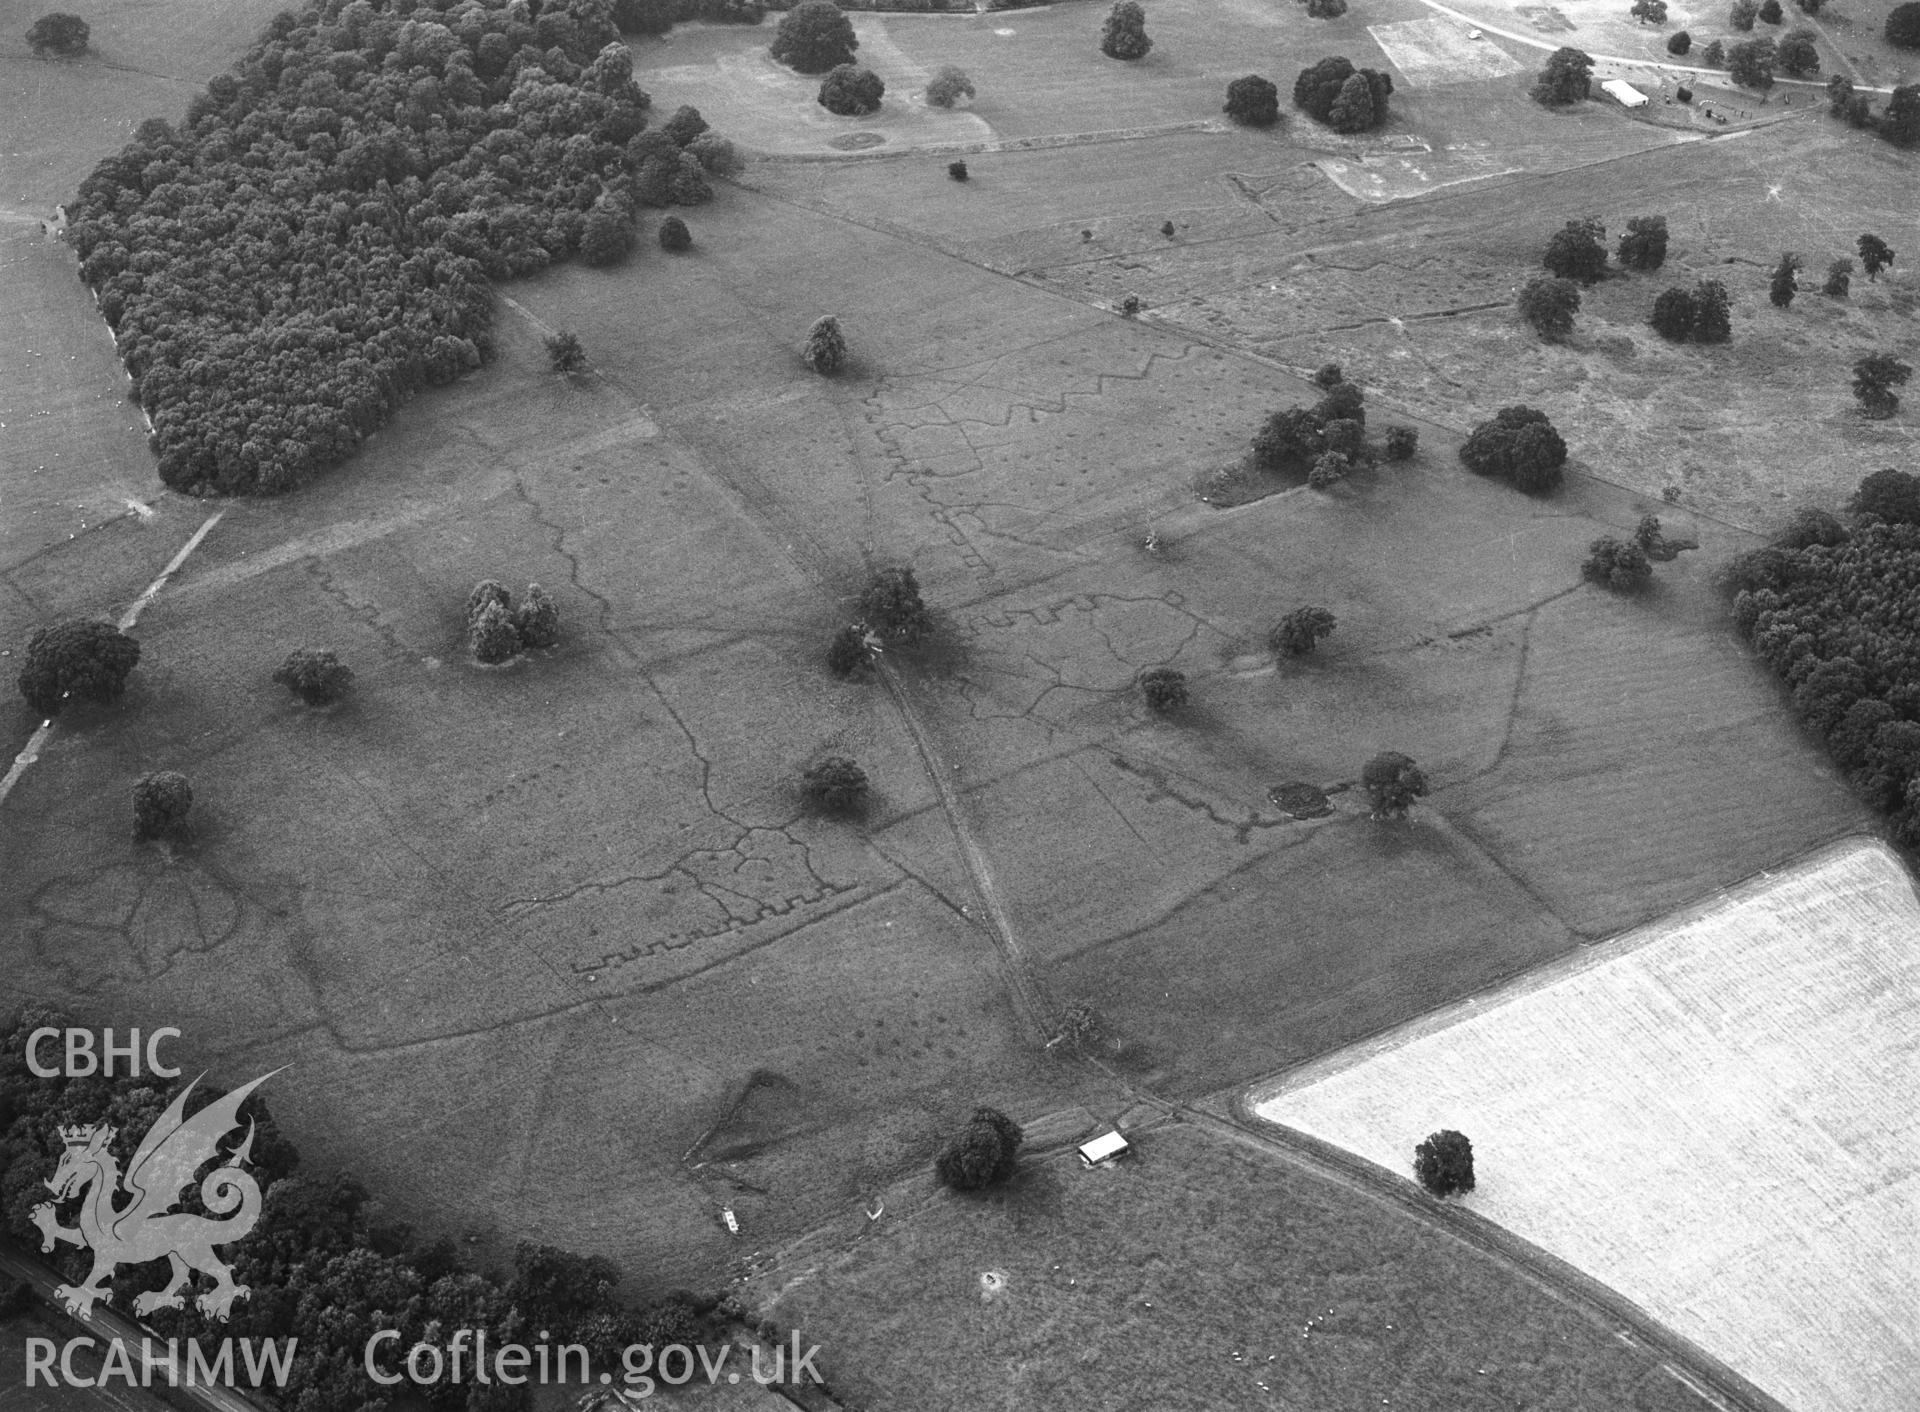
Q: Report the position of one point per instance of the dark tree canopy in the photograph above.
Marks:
(1770, 12)
(1742, 14)
(1300, 631)
(1549, 306)
(82, 660)
(1679, 43)
(1124, 35)
(1900, 123)
(983, 1154)
(1326, 9)
(1254, 101)
(674, 235)
(1567, 78)
(1329, 469)
(1839, 279)
(1518, 445)
(60, 33)
(1444, 1163)
(1165, 688)
(331, 217)
(891, 604)
(1673, 315)
(851, 91)
(1890, 496)
(1798, 55)
(1714, 56)
(1785, 281)
(814, 36)
(836, 784)
(1903, 25)
(1644, 246)
(1750, 63)
(1578, 251)
(1649, 11)
(1875, 255)
(1874, 378)
(608, 235)
(160, 803)
(314, 674)
(1618, 564)
(1328, 93)
(1712, 312)
(1392, 782)
(825, 350)
(1289, 437)
(949, 86)
(1402, 442)
(565, 354)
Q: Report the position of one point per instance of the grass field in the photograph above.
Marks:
(526, 935)
(1713, 1115)
(1208, 1272)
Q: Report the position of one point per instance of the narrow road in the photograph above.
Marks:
(107, 1323)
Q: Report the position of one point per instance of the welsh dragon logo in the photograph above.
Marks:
(174, 1148)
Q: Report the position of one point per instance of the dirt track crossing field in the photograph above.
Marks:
(1713, 1115)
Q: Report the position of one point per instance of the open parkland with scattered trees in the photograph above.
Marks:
(723, 688)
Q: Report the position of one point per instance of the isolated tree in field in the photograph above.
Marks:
(1164, 688)
(1130, 305)
(1712, 312)
(1892, 496)
(160, 803)
(1750, 64)
(1124, 35)
(1673, 315)
(825, 350)
(1326, 9)
(1875, 255)
(836, 784)
(851, 91)
(1392, 782)
(891, 605)
(1518, 445)
(1839, 279)
(814, 36)
(1743, 14)
(564, 353)
(81, 660)
(1288, 438)
(1254, 101)
(1549, 305)
(1444, 1163)
(1797, 55)
(62, 34)
(1329, 470)
(492, 636)
(1578, 251)
(1811, 7)
(1874, 379)
(948, 86)
(957, 170)
(1770, 12)
(1678, 44)
(1900, 123)
(1785, 282)
(1402, 442)
(1617, 564)
(1714, 56)
(1644, 246)
(1297, 634)
(982, 1154)
(1567, 78)
(1649, 12)
(674, 235)
(1903, 25)
(314, 674)
(537, 619)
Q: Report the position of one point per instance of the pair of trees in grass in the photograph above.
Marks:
(1702, 314)
(1346, 99)
(1626, 565)
(498, 630)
